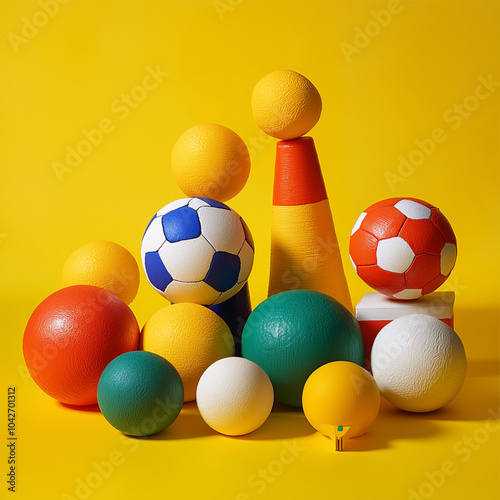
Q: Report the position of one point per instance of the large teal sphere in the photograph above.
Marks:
(293, 333)
(140, 393)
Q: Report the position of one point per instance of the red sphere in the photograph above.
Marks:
(70, 338)
(403, 247)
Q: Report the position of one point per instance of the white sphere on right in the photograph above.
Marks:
(418, 362)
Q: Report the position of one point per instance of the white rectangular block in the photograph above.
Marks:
(375, 306)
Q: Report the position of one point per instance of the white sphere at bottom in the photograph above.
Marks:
(234, 396)
(418, 362)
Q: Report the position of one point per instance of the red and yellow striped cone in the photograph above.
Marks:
(304, 249)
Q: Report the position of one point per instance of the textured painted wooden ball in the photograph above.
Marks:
(285, 104)
(197, 250)
(418, 362)
(70, 338)
(140, 393)
(292, 333)
(341, 394)
(403, 247)
(211, 161)
(234, 396)
(191, 337)
(105, 264)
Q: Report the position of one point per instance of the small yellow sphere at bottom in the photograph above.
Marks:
(341, 393)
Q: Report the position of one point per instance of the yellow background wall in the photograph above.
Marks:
(412, 77)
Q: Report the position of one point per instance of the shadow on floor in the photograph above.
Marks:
(392, 425)
(90, 408)
(478, 398)
(188, 425)
(283, 423)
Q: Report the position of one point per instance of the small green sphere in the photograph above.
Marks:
(293, 333)
(140, 393)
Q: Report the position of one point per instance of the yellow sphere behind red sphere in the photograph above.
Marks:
(341, 393)
(104, 264)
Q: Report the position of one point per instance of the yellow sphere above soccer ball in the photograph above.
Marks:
(211, 161)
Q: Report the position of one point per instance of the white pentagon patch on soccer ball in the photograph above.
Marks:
(181, 255)
(197, 250)
(358, 222)
(394, 255)
(408, 294)
(448, 258)
(413, 210)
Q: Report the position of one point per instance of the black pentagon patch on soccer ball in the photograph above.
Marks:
(224, 271)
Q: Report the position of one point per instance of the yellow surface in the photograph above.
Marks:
(285, 104)
(105, 264)
(211, 161)
(191, 337)
(305, 252)
(143, 72)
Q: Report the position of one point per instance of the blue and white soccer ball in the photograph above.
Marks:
(197, 250)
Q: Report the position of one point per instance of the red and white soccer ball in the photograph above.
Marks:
(403, 247)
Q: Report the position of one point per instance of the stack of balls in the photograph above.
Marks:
(83, 346)
(405, 248)
(74, 333)
(308, 343)
(302, 348)
(198, 253)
